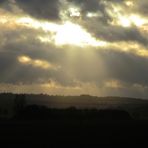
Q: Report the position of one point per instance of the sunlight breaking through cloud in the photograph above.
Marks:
(73, 34)
(93, 46)
(66, 33)
(126, 19)
(26, 60)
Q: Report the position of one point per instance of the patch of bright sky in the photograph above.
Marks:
(74, 12)
(124, 18)
(26, 60)
(74, 34)
(129, 3)
(130, 47)
(91, 14)
(128, 21)
(67, 33)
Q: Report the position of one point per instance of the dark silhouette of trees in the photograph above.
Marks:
(110, 114)
(32, 112)
(19, 103)
(14, 103)
(35, 112)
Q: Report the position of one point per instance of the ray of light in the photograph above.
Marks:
(69, 33)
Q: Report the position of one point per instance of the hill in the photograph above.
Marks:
(138, 108)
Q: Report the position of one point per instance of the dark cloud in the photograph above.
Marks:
(92, 6)
(23, 42)
(2, 1)
(101, 26)
(141, 6)
(93, 65)
(77, 65)
(88, 5)
(42, 9)
(125, 67)
(115, 33)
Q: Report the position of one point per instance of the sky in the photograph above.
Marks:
(73, 47)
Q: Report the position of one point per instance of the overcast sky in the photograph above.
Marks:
(73, 47)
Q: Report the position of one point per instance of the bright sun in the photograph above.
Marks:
(71, 34)
(74, 34)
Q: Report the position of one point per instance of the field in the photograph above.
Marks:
(73, 133)
(122, 121)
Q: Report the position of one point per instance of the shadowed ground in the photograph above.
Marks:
(40, 126)
(73, 133)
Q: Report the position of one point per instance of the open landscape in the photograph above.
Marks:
(39, 121)
(73, 73)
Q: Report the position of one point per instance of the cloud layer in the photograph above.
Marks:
(74, 47)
